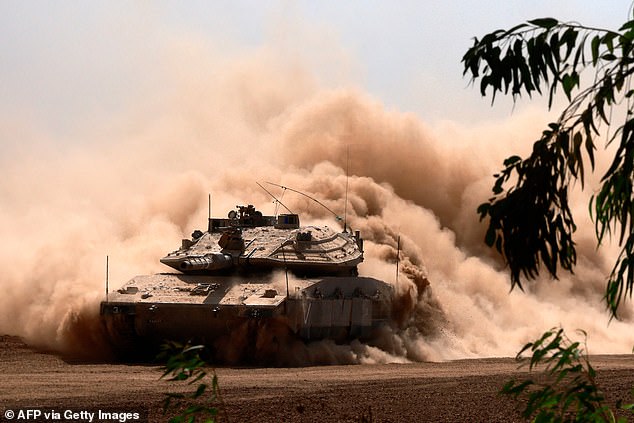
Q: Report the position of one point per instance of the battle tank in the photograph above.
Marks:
(233, 280)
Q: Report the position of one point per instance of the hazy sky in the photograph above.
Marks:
(62, 62)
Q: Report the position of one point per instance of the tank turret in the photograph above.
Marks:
(248, 241)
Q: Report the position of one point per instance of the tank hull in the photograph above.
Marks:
(149, 310)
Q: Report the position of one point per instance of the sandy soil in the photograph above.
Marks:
(457, 391)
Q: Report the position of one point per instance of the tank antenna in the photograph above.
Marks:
(275, 198)
(107, 278)
(398, 251)
(209, 209)
(345, 207)
(308, 196)
(285, 270)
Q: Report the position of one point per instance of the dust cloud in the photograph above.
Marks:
(132, 186)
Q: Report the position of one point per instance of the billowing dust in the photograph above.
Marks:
(132, 186)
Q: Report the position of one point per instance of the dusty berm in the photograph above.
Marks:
(252, 288)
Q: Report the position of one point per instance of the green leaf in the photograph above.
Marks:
(589, 144)
(497, 188)
(512, 160)
(569, 39)
(627, 25)
(201, 390)
(514, 29)
(193, 348)
(546, 23)
(608, 40)
(483, 209)
(568, 82)
(580, 54)
(489, 238)
(595, 49)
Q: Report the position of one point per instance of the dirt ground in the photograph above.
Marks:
(456, 391)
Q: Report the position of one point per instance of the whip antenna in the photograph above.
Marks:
(308, 196)
(275, 198)
(285, 270)
(345, 207)
(398, 251)
(107, 278)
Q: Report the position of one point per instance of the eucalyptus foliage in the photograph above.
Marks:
(567, 390)
(530, 221)
(184, 364)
